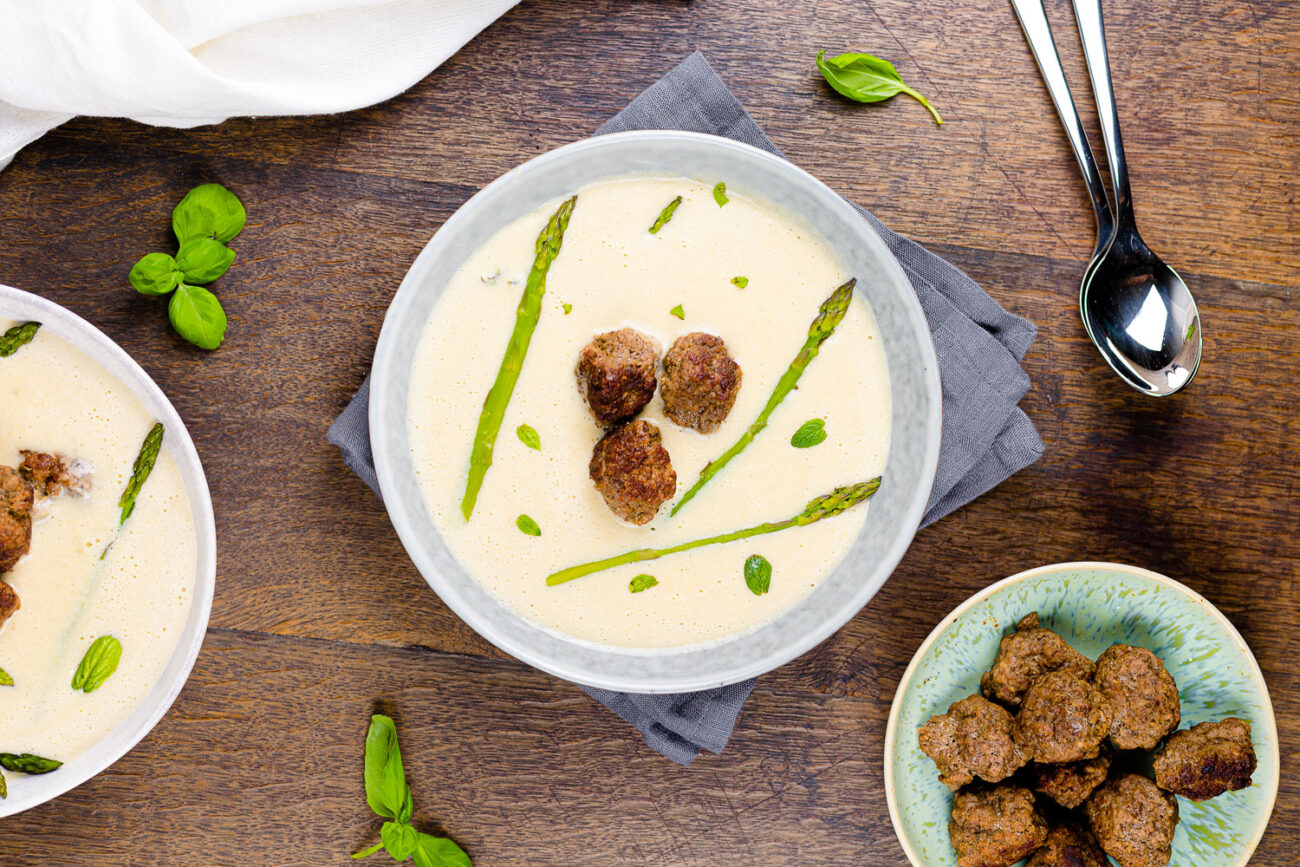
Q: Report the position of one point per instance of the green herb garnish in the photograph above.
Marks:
(678, 312)
(665, 215)
(758, 574)
(642, 582)
(528, 526)
(17, 337)
(828, 506)
(526, 317)
(205, 220)
(140, 471)
(864, 78)
(6, 679)
(740, 282)
(389, 796)
(809, 434)
(98, 664)
(720, 193)
(823, 326)
(568, 308)
(529, 437)
(26, 763)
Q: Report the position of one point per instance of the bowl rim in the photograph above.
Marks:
(100, 347)
(387, 465)
(1038, 571)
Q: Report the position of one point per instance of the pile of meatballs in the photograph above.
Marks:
(1043, 741)
(618, 373)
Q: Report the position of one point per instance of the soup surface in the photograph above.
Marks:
(54, 398)
(612, 273)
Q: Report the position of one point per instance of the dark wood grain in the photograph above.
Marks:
(319, 615)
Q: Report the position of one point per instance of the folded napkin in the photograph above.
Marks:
(986, 437)
(186, 62)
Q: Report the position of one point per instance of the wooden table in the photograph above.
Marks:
(320, 617)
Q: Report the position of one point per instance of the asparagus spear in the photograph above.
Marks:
(140, 471)
(498, 398)
(665, 215)
(826, 506)
(16, 337)
(828, 317)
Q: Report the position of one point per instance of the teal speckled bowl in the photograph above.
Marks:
(1092, 605)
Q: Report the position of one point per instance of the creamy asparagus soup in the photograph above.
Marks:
(73, 574)
(709, 318)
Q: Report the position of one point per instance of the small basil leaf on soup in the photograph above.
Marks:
(26, 763)
(642, 582)
(203, 260)
(98, 664)
(197, 316)
(678, 312)
(758, 574)
(529, 437)
(155, 274)
(720, 193)
(568, 308)
(399, 839)
(208, 211)
(809, 434)
(433, 851)
(740, 282)
(528, 526)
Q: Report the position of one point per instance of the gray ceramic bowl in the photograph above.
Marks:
(895, 511)
(26, 792)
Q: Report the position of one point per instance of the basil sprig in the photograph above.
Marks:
(98, 664)
(204, 222)
(866, 78)
(389, 795)
(17, 337)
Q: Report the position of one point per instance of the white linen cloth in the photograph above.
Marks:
(183, 63)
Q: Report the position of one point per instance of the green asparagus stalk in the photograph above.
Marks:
(826, 506)
(26, 763)
(665, 215)
(498, 398)
(140, 471)
(828, 317)
(18, 336)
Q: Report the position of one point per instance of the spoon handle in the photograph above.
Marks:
(1092, 32)
(1038, 33)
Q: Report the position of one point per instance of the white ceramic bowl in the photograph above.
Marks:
(895, 511)
(26, 792)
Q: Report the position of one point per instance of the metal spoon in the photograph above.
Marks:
(1137, 310)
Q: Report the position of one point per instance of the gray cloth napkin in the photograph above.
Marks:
(986, 437)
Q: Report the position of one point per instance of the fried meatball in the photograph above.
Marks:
(632, 471)
(1133, 821)
(1070, 785)
(1207, 760)
(1062, 718)
(700, 382)
(16, 499)
(1142, 695)
(52, 475)
(616, 374)
(1027, 654)
(995, 827)
(1069, 845)
(9, 602)
(973, 739)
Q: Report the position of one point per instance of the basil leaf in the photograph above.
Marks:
(208, 211)
(809, 434)
(568, 308)
(98, 664)
(197, 316)
(6, 679)
(399, 839)
(758, 574)
(665, 215)
(642, 582)
(720, 194)
(528, 525)
(865, 78)
(26, 763)
(17, 337)
(678, 312)
(140, 471)
(740, 282)
(433, 851)
(203, 260)
(529, 437)
(155, 274)
(386, 790)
